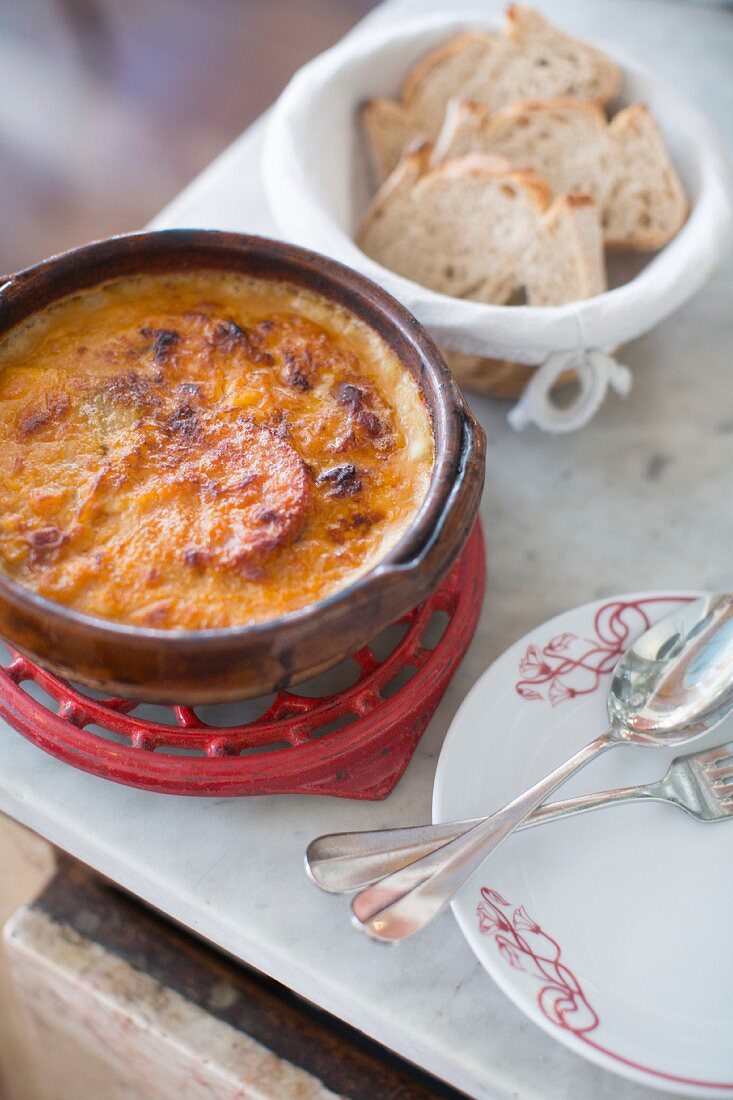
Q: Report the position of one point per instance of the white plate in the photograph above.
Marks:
(611, 931)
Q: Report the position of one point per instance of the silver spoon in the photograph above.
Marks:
(673, 684)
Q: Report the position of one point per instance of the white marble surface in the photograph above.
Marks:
(640, 499)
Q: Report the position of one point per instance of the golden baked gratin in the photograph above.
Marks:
(204, 450)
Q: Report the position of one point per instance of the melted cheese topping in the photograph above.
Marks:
(202, 450)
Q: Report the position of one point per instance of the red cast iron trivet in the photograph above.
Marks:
(364, 758)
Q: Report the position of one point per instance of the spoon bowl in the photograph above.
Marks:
(676, 680)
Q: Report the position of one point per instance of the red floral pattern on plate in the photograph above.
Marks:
(526, 947)
(561, 1000)
(570, 664)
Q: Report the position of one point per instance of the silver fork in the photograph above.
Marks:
(701, 783)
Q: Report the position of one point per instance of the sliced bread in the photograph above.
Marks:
(477, 227)
(623, 164)
(529, 59)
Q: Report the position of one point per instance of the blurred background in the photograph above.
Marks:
(110, 107)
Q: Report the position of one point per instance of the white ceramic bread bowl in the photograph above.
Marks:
(319, 182)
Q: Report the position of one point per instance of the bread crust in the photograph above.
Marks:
(421, 70)
(522, 28)
(498, 168)
(648, 242)
(578, 212)
(534, 106)
(522, 22)
(416, 164)
(468, 122)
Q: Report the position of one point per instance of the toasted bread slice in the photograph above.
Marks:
(647, 203)
(476, 227)
(623, 164)
(529, 59)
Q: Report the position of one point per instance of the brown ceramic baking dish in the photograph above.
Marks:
(238, 662)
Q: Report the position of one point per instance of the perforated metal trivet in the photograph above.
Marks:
(354, 742)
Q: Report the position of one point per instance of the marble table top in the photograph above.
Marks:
(638, 500)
